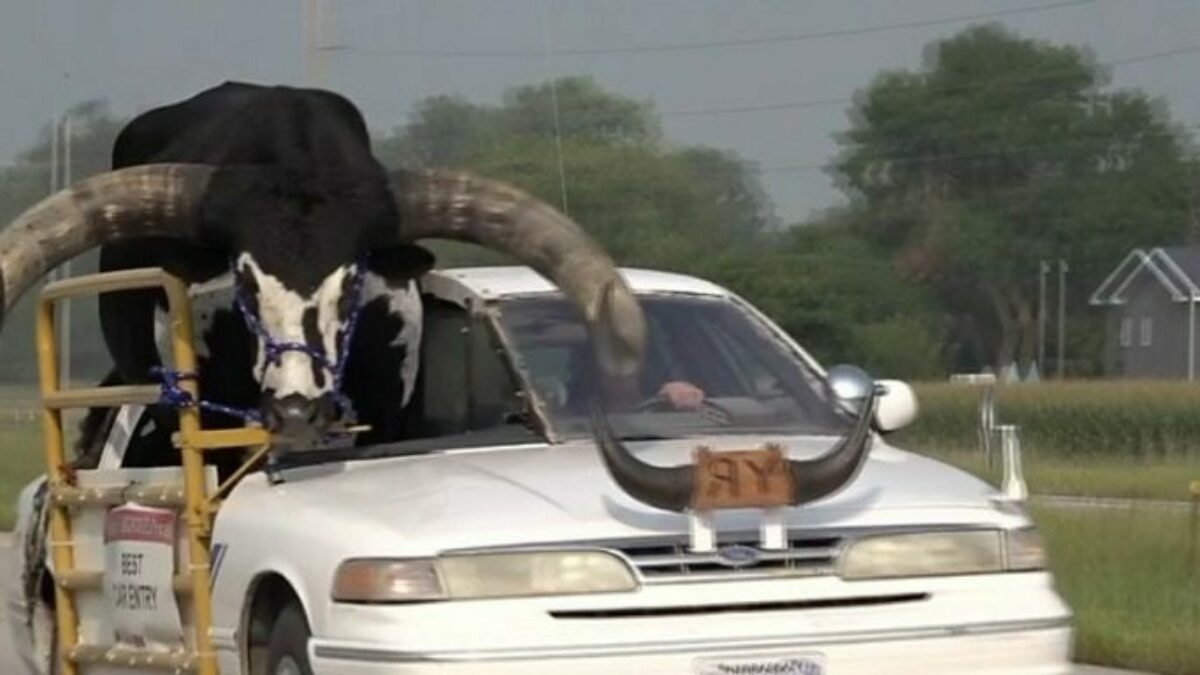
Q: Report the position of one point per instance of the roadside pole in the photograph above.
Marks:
(1043, 269)
(1062, 314)
(1194, 570)
(64, 368)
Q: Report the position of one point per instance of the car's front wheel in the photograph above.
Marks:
(287, 648)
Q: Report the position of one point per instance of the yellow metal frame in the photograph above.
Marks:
(199, 507)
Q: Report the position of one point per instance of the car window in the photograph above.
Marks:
(750, 380)
(465, 384)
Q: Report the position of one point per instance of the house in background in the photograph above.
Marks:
(1151, 303)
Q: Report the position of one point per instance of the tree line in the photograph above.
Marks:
(959, 177)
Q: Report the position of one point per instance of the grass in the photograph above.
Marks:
(20, 460)
(1125, 419)
(1131, 439)
(1129, 576)
(1163, 478)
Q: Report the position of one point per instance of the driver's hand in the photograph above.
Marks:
(682, 395)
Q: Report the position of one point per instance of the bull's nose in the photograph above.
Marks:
(298, 416)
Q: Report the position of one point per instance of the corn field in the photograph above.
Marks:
(1128, 420)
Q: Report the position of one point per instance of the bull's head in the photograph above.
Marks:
(298, 281)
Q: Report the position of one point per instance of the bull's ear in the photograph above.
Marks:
(400, 264)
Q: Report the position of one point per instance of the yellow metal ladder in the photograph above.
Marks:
(198, 505)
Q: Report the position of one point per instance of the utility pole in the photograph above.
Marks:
(64, 326)
(1062, 314)
(53, 152)
(313, 43)
(1043, 270)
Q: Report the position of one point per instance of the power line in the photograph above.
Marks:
(18, 170)
(1153, 56)
(713, 44)
(905, 158)
(765, 107)
(1016, 78)
(558, 135)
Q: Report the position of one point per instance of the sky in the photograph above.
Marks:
(767, 79)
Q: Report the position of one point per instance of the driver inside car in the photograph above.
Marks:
(559, 357)
(682, 395)
(674, 394)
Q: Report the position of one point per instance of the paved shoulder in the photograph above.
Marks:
(1098, 670)
(9, 661)
(1069, 501)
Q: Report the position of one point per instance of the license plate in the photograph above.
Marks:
(793, 664)
(742, 479)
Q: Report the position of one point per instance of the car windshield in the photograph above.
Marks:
(710, 367)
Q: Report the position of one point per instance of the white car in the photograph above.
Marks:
(497, 541)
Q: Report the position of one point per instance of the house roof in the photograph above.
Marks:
(1176, 268)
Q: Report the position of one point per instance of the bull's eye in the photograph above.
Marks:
(246, 286)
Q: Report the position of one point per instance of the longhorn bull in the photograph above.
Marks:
(277, 187)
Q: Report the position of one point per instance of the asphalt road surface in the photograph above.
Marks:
(10, 664)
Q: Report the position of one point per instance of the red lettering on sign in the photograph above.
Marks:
(126, 523)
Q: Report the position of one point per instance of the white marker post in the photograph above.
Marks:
(1013, 486)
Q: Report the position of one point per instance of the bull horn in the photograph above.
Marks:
(147, 200)
(465, 207)
(672, 488)
(667, 488)
(820, 477)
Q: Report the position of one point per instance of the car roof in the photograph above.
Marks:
(497, 283)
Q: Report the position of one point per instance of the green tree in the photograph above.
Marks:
(999, 152)
(441, 131)
(649, 202)
(839, 297)
(584, 111)
(93, 129)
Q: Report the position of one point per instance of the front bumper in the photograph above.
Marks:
(1001, 623)
(1016, 649)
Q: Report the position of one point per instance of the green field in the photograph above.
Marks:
(1107, 439)
(1125, 419)
(1164, 478)
(20, 460)
(1129, 576)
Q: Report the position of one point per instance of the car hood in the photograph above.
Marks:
(557, 493)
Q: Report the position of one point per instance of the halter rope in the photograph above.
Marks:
(172, 394)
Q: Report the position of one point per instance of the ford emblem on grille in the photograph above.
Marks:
(737, 555)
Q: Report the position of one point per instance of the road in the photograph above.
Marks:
(1075, 502)
(8, 658)
(9, 664)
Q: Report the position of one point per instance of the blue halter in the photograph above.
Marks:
(174, 395)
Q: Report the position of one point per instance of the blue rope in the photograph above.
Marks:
(177, 397)
(172, 394)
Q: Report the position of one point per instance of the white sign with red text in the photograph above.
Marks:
(139, 552)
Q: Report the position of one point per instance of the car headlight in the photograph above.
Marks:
(481, 575)
(1023, 550)
(942, 553)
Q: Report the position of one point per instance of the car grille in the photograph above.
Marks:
(670, 560)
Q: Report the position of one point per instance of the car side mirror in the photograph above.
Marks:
(850, 385)
(896, 407)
